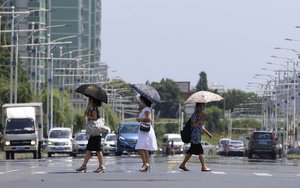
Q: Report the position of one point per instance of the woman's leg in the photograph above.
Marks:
(185, 160)
(86, 157)
(143, 156)
(204, 167)
(100, 158)
(147, 156)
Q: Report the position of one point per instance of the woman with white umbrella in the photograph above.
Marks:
(197, 126)
(196, 147)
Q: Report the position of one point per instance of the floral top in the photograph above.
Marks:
(197, 130)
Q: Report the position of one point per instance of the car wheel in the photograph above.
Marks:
(49, 154)
(118, 153)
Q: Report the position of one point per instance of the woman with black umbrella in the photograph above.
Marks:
(146, 140)
(94, 142)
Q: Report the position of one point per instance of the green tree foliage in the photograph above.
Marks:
(213, 117)
(170, 97)
(202, 83)
(234, 97)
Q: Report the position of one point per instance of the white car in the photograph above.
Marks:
(109, 144)
(172, 144)
(222, 145)
(208, 149)
(59, 141)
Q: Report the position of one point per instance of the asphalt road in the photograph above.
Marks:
(227, 172)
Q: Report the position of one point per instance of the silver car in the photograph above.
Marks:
(235, 147)
(79, 144)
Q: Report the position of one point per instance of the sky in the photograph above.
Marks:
(230, 40)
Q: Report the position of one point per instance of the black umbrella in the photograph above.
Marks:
(148, 92)
(94, 91)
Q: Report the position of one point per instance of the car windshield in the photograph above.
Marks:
(129, 128)
(111, 138)
(176, 139)
(81, 137)
(20, 126)
(262, 136)
(224, 141)
(59, 134)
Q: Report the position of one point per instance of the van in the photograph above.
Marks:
(59, 141)
(172, 144)
(127, 136)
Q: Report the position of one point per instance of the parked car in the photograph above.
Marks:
(172, 144)
(109, 144)
(262, 143)
(295, 150)
(235, 147)
(127, 135)
(59, 141)
(79, 143)
(222, 145)
(208, 148)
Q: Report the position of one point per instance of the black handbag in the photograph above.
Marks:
(144, 127)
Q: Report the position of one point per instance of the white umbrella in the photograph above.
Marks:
(203, 97)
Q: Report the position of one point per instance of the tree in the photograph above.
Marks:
(170, 97)
(202, 83)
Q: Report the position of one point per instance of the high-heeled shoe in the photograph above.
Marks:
(145, 168)
(80, 169)
(100, 169)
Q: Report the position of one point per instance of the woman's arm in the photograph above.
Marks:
(199, 121)
(207, 132)
(145, 120)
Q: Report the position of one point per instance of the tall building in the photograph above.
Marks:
(78, 21)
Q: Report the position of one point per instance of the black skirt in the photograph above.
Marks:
(195, 149)
(94, 143)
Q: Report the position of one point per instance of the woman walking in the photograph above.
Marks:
(196, 147)
(94, 142)
(146, 140)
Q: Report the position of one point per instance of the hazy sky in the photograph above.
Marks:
(231, 40)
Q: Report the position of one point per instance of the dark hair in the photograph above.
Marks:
(146, 101)
(96, 102)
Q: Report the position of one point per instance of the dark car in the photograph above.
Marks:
(127, 135)
(262, 143)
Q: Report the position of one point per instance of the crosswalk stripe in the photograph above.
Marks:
(40, 172)
(216, 172)
(262, 174)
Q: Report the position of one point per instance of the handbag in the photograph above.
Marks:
(96, 127)
(144, 127)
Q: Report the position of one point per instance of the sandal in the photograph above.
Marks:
(82, 168)
(183, 168)
(100, 169)
(206, 170)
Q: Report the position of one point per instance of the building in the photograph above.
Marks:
(76, 21)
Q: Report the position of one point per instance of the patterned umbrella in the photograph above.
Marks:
(148, 92)
(203, 97)
(94, 91)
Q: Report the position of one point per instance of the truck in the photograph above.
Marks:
(22, 129)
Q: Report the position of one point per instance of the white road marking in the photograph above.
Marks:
(219, 173)
(262, 174)
(40, 172)
(16, 170)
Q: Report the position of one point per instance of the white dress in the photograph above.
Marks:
(146, 140)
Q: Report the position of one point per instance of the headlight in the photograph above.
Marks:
(122, 138)
(7, 143)
(49, 143)
(32, 142)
